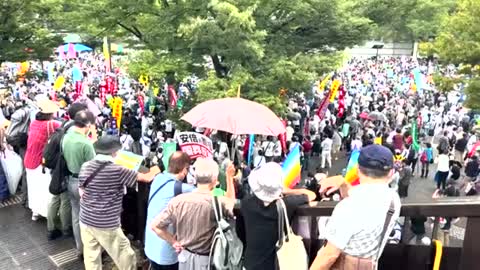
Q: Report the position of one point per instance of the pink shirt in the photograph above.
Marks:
(37, 139)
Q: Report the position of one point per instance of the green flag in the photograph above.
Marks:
(415, 144)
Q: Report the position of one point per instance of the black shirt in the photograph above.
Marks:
(461, 145)
(261, 228)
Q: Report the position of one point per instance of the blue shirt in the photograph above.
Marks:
(157, 249)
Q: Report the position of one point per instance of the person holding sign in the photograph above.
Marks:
(101, 184)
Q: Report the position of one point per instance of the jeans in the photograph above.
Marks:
(59, 213)
(75, 203)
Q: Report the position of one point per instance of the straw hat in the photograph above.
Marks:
(47, 106)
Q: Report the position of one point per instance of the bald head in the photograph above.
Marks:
(178, 162)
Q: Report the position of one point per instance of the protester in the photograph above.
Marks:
(260, 214)
(379, 213)
(38, 178)
(101, 187)
(192, 217)
(163, 189)
(78, 149)
(443, 169)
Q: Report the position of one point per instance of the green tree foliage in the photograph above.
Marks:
(406, 19)
(26, 30)
(261, 45)
(458, 42)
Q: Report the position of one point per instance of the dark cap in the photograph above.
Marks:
(107, 145)
(376, 157)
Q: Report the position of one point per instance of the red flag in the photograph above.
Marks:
(341, 101)
(172, 96)
(324, 105)
(283, 138)
(141, 104)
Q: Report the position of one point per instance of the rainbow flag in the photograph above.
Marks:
(351, 175)
(292, 168)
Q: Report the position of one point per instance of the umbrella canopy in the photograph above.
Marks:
(72, 38)
(363, 115)
(77, 47)
(377, 116)
(235, 115)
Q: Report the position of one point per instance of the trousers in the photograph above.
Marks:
(59, 213)
(114, 242)
(75, 204)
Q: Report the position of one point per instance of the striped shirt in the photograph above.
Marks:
(101, 203)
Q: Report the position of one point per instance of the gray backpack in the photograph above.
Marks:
(227, 249)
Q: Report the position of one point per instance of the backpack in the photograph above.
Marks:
(227, 249)
(17, 131)
(424, 157)
(52, 149)
(60, 172)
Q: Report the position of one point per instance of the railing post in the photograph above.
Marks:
(471, 245)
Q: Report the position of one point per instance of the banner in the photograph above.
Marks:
(172, 96)
(341, 101)
(324, 105)
(168, 149)
(323, 83)
(334, 90)
(57, 86)
(128, 160)
(195, 144)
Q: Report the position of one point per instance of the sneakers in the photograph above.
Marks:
(52, 235)
(35, 216)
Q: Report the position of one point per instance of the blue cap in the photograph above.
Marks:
(376, 157)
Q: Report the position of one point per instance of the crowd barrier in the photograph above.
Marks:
(403, 255)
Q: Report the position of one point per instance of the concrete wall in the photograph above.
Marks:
(389, 49)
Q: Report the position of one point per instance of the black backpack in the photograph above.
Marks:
(51, 152)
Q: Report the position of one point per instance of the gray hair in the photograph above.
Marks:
(206, 170)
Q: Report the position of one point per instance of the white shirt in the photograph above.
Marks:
(268, 148)
(327, 145)
(259, 161)
(290, 132)
(362, 240)
(443, 163)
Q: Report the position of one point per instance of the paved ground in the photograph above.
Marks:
(24, 245)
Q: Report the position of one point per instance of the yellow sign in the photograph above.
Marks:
(323, 83)
(334, 89)
(128, 160)
(143, 80)
(59, 83)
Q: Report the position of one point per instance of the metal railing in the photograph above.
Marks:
(412, 257)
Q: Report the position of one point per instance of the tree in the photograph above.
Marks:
(458, 42)
(260, 45)
(406, 20)
(25, 30)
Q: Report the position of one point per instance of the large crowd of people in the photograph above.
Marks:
(390, 111)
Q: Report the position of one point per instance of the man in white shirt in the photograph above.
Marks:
(326, 152)
(373, 203)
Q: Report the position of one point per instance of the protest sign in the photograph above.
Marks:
(128, 160)
(195, 144)
(168, 149)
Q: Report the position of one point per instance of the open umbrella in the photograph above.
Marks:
(363, 115)
(72, 38)
(235, 115)
(77, 47)
(377, 116)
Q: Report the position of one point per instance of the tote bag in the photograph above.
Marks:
(291, 253)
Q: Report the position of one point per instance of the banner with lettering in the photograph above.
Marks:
(195, 144)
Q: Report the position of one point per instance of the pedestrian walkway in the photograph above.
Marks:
(24, 244)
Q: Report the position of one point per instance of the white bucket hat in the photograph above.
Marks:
(266, 182)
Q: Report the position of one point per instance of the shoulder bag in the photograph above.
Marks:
(291, 253)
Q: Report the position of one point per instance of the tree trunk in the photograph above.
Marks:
(220, 70)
